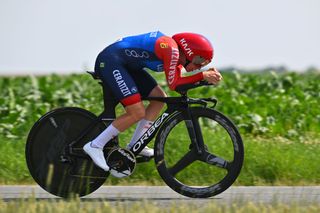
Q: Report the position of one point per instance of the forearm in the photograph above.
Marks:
(189, 79)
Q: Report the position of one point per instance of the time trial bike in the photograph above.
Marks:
(198, 150)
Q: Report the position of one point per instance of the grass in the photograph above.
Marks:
(278, 116)
(36, 206)
(268, 161)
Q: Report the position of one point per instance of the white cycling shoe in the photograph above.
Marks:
(97, 156)
(147, 152)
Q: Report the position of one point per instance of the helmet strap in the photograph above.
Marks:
(187, 63)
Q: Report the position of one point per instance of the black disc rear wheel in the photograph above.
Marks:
(59, 174)
(196, 174)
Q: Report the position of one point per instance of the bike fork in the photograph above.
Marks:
(194, 131)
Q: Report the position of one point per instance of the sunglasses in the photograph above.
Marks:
(198, 60)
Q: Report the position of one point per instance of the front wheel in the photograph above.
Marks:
(56, 172)
(193, 173)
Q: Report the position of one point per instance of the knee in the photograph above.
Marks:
(136, 112)
(158, 92)
(139, 114)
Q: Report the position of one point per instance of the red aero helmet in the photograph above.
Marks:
(193, 44)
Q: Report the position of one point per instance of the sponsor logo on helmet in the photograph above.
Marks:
(184, 44)
(173, 65)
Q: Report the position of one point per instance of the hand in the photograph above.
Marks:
(212, 75)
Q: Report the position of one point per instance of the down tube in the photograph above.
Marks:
(150, 133)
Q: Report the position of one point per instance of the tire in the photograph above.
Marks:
(205, 175)
(45, 144)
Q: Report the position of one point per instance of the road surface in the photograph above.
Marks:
(163, 194)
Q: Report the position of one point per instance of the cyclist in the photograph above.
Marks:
(123, 67)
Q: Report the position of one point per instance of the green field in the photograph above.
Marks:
(278, 115)
(78, 206)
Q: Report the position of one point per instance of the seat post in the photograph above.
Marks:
(109, 99)
(110, 102)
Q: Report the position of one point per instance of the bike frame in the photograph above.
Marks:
(174, 105)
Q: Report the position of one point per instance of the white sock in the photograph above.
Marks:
(105, 136)
(142, 127)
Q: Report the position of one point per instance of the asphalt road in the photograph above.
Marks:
(164, 195)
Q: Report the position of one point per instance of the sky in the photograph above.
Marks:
(66, 35)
